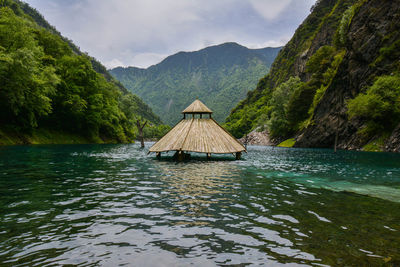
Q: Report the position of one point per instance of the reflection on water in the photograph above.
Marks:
(108, 205)
(195, 185)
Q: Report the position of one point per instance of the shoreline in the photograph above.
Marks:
(43, 136)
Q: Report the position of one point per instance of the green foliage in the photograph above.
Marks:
(242, 125)
(53, 46)
(278, 123)
(390, 52)
(376, 145)
(26, 82)
(299, 105)
(321, 60)
(340, 38)
(272, 113)
(12, 136)
(155, 131)
(329, 59)
(45, 83)
(379, 105)
(287, 143)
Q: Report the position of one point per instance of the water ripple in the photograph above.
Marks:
(108, 205)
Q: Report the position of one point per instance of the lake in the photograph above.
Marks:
(110, 205)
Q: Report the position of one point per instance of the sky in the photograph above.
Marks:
(141, 33)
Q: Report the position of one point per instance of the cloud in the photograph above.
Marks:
(142, 33)
(145, 60)
(114, 63)
(270, 9)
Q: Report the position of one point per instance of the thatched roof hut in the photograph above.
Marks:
(198, 132)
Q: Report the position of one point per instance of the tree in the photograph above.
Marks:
(26, 83)
(45, 81)
(379, 105)
(278, 123)
(140, 127)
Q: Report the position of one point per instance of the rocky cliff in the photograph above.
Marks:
(338, 54)
(374, 22)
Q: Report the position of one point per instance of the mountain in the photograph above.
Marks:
(338, 78)
(49, 87)
(219, 75)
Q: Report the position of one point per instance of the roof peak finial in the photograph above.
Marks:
(197, 107)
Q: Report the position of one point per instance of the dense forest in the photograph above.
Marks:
(338, 77)
(48, 86)
(219, 75)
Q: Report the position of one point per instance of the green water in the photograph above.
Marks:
(110, 205)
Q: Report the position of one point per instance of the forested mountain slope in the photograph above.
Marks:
(339, 76)
(219, 75)
(46, 82)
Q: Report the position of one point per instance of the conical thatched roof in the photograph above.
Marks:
(202, 135)
(197, 107)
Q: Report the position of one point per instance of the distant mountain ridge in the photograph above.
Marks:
(219, 75)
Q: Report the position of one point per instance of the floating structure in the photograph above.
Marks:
(198, 132)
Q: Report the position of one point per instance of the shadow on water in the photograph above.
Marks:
(93, 205)
(196, 157)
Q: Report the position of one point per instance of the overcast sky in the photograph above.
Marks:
(143, 32)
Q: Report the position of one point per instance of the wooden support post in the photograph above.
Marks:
(336, 140)
(180, 156)
(337, 134)
(158, 155)
(238, 155)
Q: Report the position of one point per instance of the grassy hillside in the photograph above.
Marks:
(47, 83)
(219, 75)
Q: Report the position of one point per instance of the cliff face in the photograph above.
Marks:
(375, 25)
(337, 53)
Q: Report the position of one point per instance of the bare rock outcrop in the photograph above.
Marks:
(393, 143)
(258, 138)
